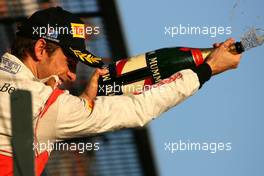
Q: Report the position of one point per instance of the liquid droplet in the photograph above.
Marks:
(253, 38)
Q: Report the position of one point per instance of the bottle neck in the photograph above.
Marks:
(206, 52)
(236, 48)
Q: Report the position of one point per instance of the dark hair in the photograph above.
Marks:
(22, 47)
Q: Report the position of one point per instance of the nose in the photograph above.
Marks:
(71, 76)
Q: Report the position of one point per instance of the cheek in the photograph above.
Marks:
(59, 62)
(60, 66)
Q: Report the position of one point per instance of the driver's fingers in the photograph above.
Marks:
(97, 73)
(216, 45)
(228, 43)
(103, 71)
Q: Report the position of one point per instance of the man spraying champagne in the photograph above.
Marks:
(40, 63)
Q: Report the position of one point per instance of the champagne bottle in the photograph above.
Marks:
(134, 74)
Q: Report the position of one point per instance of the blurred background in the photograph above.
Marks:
(228, 109)
(125, 152)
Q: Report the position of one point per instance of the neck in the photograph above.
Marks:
(31, 65)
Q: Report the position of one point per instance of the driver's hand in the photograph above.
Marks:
(221, 59)
(91, 89)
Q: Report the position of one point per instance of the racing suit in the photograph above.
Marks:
(58, 115)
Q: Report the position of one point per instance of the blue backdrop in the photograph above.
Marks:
(229, 109)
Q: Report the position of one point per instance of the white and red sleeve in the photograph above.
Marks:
(123, 111)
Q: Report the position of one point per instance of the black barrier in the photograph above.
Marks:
(22, 133)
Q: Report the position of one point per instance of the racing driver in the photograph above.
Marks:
(40, 61)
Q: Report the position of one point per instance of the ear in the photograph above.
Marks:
(40, 49)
